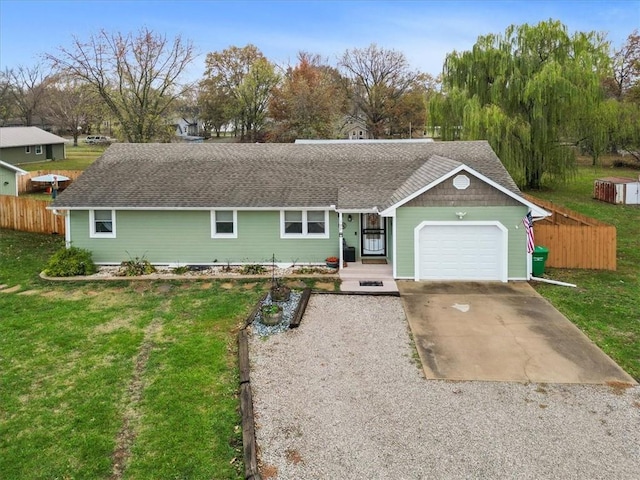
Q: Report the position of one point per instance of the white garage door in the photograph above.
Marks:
(461, 251)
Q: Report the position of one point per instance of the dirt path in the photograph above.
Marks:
(133, 395)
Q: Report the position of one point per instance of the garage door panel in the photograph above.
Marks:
(461, 252)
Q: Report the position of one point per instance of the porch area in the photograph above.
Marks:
(359, 277)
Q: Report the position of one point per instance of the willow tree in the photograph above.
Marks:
(309, 102)
(377, 80)
(525, 92)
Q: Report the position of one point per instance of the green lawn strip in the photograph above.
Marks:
(189, 425)
(63, 374)
(605, 305)
(23, 256)
(68, 356)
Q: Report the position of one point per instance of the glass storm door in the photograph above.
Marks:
(373, 235)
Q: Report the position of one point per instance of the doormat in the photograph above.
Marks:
(370, 283)
(374, 261)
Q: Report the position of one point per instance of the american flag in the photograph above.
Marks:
(527, 221)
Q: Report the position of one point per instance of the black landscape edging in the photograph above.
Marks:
(248, 433)
(252, 316)
(300, 309)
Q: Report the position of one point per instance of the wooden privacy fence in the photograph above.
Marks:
(25, 185)
(29, 215)
(574, 240)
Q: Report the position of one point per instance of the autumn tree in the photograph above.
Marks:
(253, 97)
(525, 92)
(6, 98)
(216, 108)
(309, 102)
(137, 76)
(378, 78)
(624, 83)
(25, 89)
(243, 77)
(408, 117)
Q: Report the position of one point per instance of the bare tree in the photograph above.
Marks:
(26, 89)
(136, 76)
(377, 80)
(626, 70)
(72, 104)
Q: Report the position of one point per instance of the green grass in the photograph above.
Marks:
(78, 158)
(606, 304)
(80, 360)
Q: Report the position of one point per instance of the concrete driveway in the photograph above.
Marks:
(500, 332)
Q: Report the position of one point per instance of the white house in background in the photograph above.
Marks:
(354, 128)
(187, 128)
(9, 178)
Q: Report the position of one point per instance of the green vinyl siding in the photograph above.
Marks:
(171, 237)
(351, 232)
(407, 218)
(18, 155)
(9, 177)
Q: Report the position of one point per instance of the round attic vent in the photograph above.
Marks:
(461, 182)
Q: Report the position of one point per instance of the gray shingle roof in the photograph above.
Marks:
(271, 175)
(24, 136)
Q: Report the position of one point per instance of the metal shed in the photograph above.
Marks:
(617, 190)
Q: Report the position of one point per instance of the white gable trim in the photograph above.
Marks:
(13, 167)
(536, 211)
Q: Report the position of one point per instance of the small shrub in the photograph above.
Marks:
(69, 262)
(135, 267)
(181, 270)
(310, 270)
(253, 269)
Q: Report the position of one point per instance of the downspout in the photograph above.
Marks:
(340, 239)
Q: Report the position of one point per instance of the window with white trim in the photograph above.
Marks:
(224, 224)
(38, 149)
(304, 223)
(27, 149)
(103, 223)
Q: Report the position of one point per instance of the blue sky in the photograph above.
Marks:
(425, 31)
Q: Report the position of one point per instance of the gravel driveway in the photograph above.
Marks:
(343, 397)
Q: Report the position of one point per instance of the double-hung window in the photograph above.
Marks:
(103, 223)
(38, 149)
(27, 149)
(224, 224)
(304, 223)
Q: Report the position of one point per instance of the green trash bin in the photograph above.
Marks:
(539, 258)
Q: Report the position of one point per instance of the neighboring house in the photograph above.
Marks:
(187, 129)
(9, 178)
(438, 210)
(19, 145)
(354, 129)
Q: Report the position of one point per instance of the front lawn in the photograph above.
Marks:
(94, 375)
(606, 305)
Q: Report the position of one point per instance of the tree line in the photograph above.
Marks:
(535, 92)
